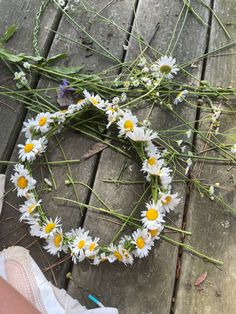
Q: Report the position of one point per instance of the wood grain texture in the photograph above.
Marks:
(147, 286)
(22, 14)
(74, 144)
(213, 228)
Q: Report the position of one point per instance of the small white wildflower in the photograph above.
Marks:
(233, 149)
(61, 2)
(19, 75)
(145, 70)
(115, 100)
(123, 97)
(136, 83)
(26, 65)
(188, 133)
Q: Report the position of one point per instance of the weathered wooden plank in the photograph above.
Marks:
(146, 287)
(22, 14)
(74, 144)
(213, 228)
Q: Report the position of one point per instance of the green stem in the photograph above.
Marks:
(178, 230)
(192, 250)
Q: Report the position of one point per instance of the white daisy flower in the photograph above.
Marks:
(71, 109)
(167, 67)
(153, 162)
(27, 209)
(80, 104)
(153, 216)
(143, 242)
(100, 258)
(55, 243)
(127, 257)
(50, 227)
(22, 180)
(181, 96)
(150, 148)
(163, 173)
(42, 145)
(92, 248)
(169, 201)
(165, 178)
(35, 226)
(112, 112)
(80, 243)
(29, 128)
(233, 149)
(127, 123)
(141, 134)
(59, 116)
(115, 253)
(95, 100)
(154, 233)
(43, 121)
(29, 150)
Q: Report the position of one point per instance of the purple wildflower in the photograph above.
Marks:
(64, 88)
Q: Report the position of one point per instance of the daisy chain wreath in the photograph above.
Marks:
(77, 242)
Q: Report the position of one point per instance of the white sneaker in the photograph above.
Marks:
(20, 270)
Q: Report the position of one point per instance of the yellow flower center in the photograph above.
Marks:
(165, 69)
(153, 233)
(49, 227)
(92, 247)
(151, 161)
(152, 214)
(81, 244)
(42, 121)
(80, 101)
(22, 182)
(140, 243)
(31, 208)
(28, 148)
(111, 109)
(129, 125)
(118, 255)
(57, 240)
(166, 200)
(94, 101)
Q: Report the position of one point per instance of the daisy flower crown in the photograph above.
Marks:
(77, 242)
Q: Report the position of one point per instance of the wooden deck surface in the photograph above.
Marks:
(150, 286)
